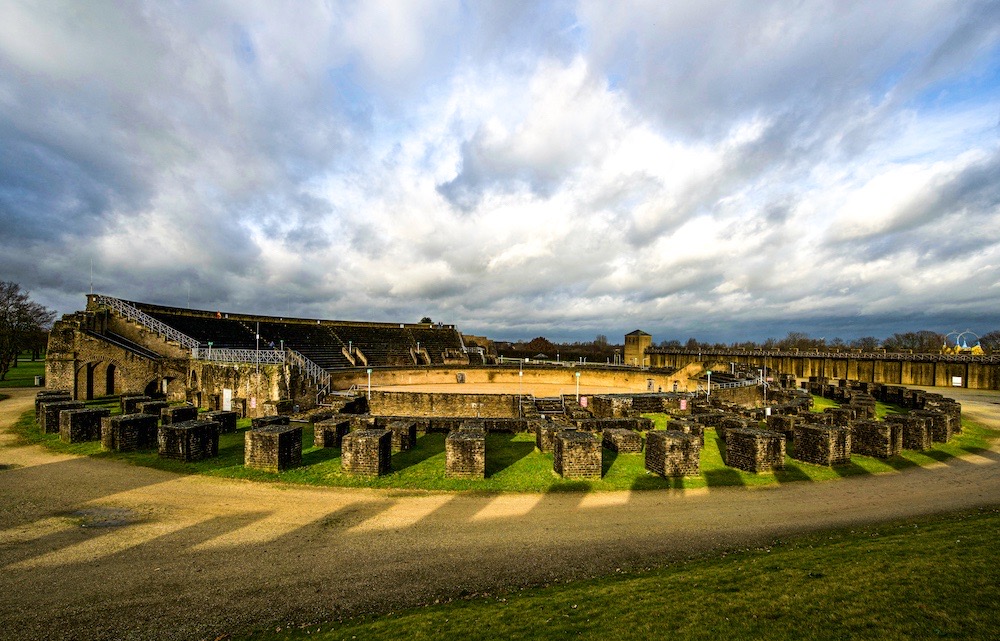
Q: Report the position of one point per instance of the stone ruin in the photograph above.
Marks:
(49, 397)
(622, 441)
(576, 455)
(545, 435)
(178, 414)
(673, 454)
(49, 414)
(404, 435)
(881, 439)
(188, 440)
(129, 432)
(77, 426)
(225, 419)
(367, 452)
(940, 424)
(465, 453)
(916, 432)
(151, 407)
(331, 432)
(822, 444)
(130, 404)
(273, 448)
(755, 450)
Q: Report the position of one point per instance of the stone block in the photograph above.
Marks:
(730, 423)
(331, 432)
(881, 439)
(273, 448)
(916, 431)
(939, 422)
(367, 452)
(49, 412)
(364, 422)
(49, 396)
(129, 432)
(128, 403)
(281, 407)
(754, 450)
(465, 453)
(784, 424)
(178, 414)
(77, 426)
(404, 435)
(188, 440)
(822, 444)
(151, 407)
(262, 421)
(226, 420)
(842, 416)
(576, 455)
(672, 453)
(545, 435)
(623, 441)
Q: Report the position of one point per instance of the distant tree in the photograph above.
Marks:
(865, 343)
(601, 340)
(991, 341)
(670, 344)
(22, 324)
(426, 320)
(540, 345)
(692, 343)
(838, 343)
(924, 341)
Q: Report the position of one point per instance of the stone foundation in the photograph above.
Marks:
(273, 448)
(226, 420)
(189, 440)
(622, 441)
(404, 435)
(178, 414)
(545, 435)
(783, 424)
(77, 426)
(940, 424)
(129, 432)
(730, 423)
(916, 431)
(49, 396)
(263, 421)
(822, 444)
(753, 450)
(880, 439)
(688, 427)
(465, 454)
(151, 407)
(331, 432)
(130, 404)
(576, 455)
(367, 452)
(49, 412)
(673, 453)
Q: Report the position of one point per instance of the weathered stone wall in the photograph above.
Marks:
(881, 439)
(49, 396)
(80, 425)
(753, 450)
(916, 431)
(438, 404)
(545, 435)
(177, 414)
(465, 454)
(129, 432)
(404, 435)
(189, 441)
(670, 453)
(49, 414)
(226, 420)
(623, 441)
(367, 452)
(576, 455)
(822, 444)
(274, 448)
(331, 432)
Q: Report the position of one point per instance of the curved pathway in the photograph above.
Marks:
(91, 548)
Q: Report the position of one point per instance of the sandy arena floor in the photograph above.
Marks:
(96, 549)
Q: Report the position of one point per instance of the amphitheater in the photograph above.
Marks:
(94, 548)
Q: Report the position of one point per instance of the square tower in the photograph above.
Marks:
(635, 348)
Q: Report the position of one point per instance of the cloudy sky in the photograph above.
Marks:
(715, 169)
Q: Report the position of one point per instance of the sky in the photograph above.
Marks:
(714, 169)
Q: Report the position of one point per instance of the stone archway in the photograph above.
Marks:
(110, 379)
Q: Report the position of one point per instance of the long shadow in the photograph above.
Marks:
(608, 458)
(792, 472)
(502, 451)
(849, 469)
(722, 477)
(320, 455)
(657, 482)
(428, 445)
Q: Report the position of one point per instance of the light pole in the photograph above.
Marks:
(369, 383)
(578, 387)
(709, 383)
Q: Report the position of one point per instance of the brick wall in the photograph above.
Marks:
(274, 448)
(670, 453)
(576, 455)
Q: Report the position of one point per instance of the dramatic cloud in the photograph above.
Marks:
(716, 169)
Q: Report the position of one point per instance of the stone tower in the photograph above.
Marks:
(635, 348)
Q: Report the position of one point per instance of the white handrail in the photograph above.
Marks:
(130, 312)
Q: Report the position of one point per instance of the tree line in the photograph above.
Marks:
(24, 326)
(920, 342)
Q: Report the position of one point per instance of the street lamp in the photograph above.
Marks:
(709, 383)
(578, 387)
(369, 383)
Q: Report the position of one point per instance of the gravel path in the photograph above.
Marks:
(96, 549)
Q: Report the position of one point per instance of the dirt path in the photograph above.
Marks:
(99, 549)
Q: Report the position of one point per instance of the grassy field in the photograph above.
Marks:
(513, 464)
(930, 578)
(24, 374)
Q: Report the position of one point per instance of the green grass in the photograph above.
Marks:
(928, 578)
(513, 463)
(24, 374)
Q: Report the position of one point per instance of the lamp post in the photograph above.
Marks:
(578, 387)
(369, 383)
(709, 383)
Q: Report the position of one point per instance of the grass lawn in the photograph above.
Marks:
(24, 374)
(929, 578)
(513, 463)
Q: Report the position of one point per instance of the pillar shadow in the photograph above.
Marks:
(608, 458)
(849, 469)
(320, 455)
(657, 482)
(429, 445)
(502, 451)
(723, 477)
(792, 472)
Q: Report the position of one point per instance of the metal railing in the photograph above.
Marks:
(323, 380)
(886, 356)
(219, 355)
(132, 313)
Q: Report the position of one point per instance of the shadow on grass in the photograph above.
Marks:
(849, 469)
(502, 451)
(722, 477)
(792, 472)
(657, 482)
(571, 485)
(608, 458)
(428, 445)
(320, 455)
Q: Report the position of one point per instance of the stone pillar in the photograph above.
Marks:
(274, 448)
(367, 452)
(404, 435)
(465, 454)
(673, 454)
(189, 440)
(822, 444)
(129, 432)
(49, 412)
(753, 450)
(881, 439)
(128, 403)
(178, 414)
(76, 426)
(576, 455)
(331, 432)
(226, 420)
(623, 441)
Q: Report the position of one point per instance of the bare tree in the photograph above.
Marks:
(22, 322)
